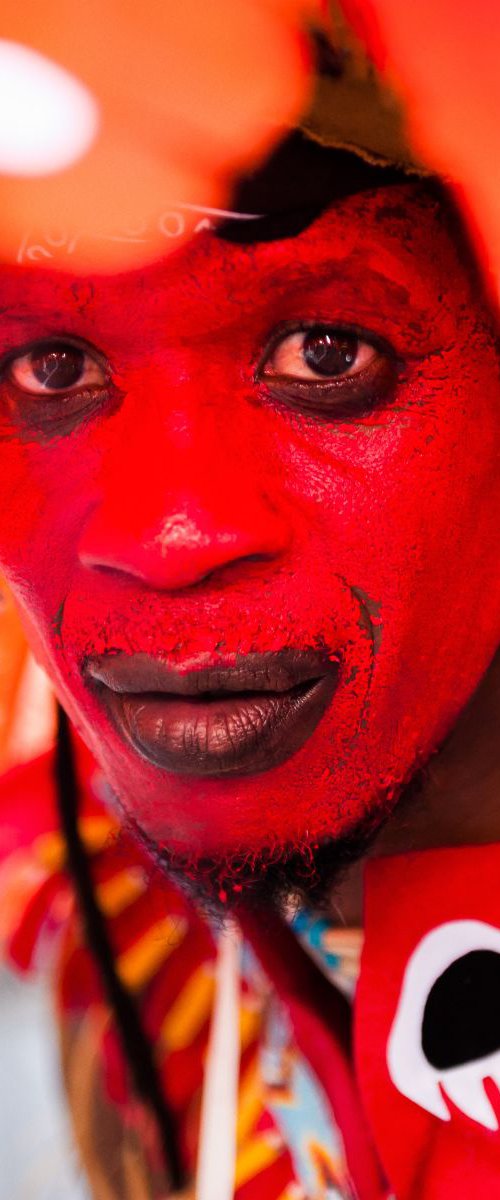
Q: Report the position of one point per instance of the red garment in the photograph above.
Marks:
(424, 1100)
(166, 955)
(428, 1021)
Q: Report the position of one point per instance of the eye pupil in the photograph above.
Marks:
(329, 353)
(57, 367)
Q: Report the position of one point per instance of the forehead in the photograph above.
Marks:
(386, 247)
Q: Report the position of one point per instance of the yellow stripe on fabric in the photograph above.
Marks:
(118, 892)
(249, 1101)
(250, 1023)
(190, 1010)
(138, 964)
(257, 1154)
(50, 848)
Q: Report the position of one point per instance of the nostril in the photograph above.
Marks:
(187, 546)
(256, 558)
(174, 569)
(102, 568)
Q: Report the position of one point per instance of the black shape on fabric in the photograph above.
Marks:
(461, 1020)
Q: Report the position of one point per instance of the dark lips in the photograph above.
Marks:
(224, 720)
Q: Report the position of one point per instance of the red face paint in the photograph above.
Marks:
(199, 512)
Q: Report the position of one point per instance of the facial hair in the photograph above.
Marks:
(278, 878)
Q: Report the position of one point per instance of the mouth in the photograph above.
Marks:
(221, 721)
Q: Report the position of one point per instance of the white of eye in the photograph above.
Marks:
(411, 1072)
(48, 118)
(287, 359)
(21, 373)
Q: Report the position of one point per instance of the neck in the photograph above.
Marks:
(459, 802)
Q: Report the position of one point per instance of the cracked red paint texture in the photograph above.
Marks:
(192, 515)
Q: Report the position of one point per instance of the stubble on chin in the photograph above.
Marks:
(278, 878)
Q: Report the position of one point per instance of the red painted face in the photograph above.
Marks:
(283, 448)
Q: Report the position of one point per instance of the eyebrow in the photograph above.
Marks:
(330, 271)
(24, 311)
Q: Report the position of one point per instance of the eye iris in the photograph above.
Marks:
(329, 353)
(58, 367)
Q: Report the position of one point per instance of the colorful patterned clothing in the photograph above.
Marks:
(287, 1146)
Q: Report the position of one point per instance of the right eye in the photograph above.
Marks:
(54, 368)
(332, 371)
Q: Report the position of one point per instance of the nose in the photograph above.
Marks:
(187, 547)
(186, 516)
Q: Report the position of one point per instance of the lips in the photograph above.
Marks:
(221, 720)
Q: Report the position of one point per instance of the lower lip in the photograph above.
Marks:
(232, 735)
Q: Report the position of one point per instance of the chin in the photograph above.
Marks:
(279, 878)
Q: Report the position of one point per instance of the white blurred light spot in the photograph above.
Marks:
(48, 118)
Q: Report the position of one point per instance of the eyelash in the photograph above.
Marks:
(308, 396)
(304, 325)
(335, 399)
(60, 340)
(57, 412)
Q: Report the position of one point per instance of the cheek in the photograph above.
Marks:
(25, 530)
(405, 507)
(44, 495)
(411, 491)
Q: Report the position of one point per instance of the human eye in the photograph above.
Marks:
(52, 384)
(55, 367)
(332, 370)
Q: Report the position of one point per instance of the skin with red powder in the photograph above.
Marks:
(206, 496)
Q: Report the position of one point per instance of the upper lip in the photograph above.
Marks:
(277, 671)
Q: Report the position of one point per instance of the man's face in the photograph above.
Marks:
(272, 473)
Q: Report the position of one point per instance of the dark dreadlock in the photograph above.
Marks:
(137, 1048)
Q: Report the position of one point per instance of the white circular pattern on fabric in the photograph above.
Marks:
(48, 118)
(410, 1070)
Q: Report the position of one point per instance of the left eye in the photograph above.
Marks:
(332, 372)
(319, 353)
(49, 368)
